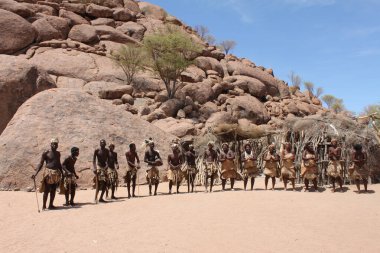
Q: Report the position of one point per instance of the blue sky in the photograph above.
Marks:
(332, 43)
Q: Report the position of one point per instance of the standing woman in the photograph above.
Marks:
(271, 159)
(358, 170)
(309, 170)
(288, 171)
(251, 170)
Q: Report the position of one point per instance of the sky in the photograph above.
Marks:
(333, 43)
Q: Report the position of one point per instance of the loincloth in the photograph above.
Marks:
(175, 175)
(288, 170)
(190, 172)
(211, 170)
(112, 177)
(228, 169)
(50, 176)
(101, 174)
(334, 169)
(359, 172)
(250, 169)
(270, 169)
(309, 171)
(152, 175)
(70, 182)
(131, 174)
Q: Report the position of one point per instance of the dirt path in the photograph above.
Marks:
(231, 221)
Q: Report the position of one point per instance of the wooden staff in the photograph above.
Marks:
(35, 188)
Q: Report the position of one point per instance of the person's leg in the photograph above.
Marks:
(150, 188)
(224, 184)
(306, 184)
(134, 178)
(245, 181)
(53, 189)
(357, 182)
(285, 179)
(266, 182)
(293, 184)
(315, 182)
(192, 179)
(333, 183)
(232, 183)
(252, 182)
(273, 183)
(129, 186)
(45, 195)
(103, 187)
(365, 182)
(113, 191)
(170, 186)
(212, 183)
(67, 193)
(155, 188)
(340, 182)
(73, 190)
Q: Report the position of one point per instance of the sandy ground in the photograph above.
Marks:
(231, 221)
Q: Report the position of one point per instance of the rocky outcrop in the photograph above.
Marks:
(16, 36)
(19, 80)
(80, 120)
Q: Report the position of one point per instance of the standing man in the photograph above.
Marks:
(334, 170)
(175, 162)
(113, 166)
(226, 158)
(71, 176)
(310, 169)
(250, 166)
(153, 160)
(100, 163)
(52, 173)
(210, 158)
(132, 171)
(358, 170)
(191, 168)
(271, 159)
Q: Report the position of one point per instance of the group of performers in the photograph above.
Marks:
(182, 165)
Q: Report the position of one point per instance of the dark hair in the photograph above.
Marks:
(358, 147)
(132, 145)
(74, 149)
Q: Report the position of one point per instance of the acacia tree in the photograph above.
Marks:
(131, 59)
(373, 110)
(227, 45)
(309, 86)
(170, 51)
(334, 103)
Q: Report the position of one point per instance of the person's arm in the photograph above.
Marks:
(40, 164)
(64, 167)
(146, 160)
(137, 158)
(116, 162)
(94, 161)
(365, 157)
(304, 156)
(267, 156)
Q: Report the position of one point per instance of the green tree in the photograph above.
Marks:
(131, 59)
(295, 79)
(170, 51)
(329, 100)
(319, 92)
(334, 103)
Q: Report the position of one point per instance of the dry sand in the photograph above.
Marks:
(231, 221)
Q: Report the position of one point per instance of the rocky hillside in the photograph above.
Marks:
(66, 44)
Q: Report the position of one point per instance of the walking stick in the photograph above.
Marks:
(35, 188)
(96, 187)
(138, 183)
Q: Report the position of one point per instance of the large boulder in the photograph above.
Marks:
(171, 107)
(74, 7)
(109, 33)
(239, 68)
(15, 36)
(179, 128)
(19, 80)
(41, 9)
(207, 110)
(248, 107)
(74, 18)
(221, 118)
(107, 90)
(84, 33)
(132, 6)
(146, 83)
(71, 83)
(16, 7)
(208, 63)
(133, 30)
(251, 85)
(99, 11)
(122, 14)
(50, 27)
(76, 119)
(152, 11)
(199, 92)
(193, 74)
(75, 64)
